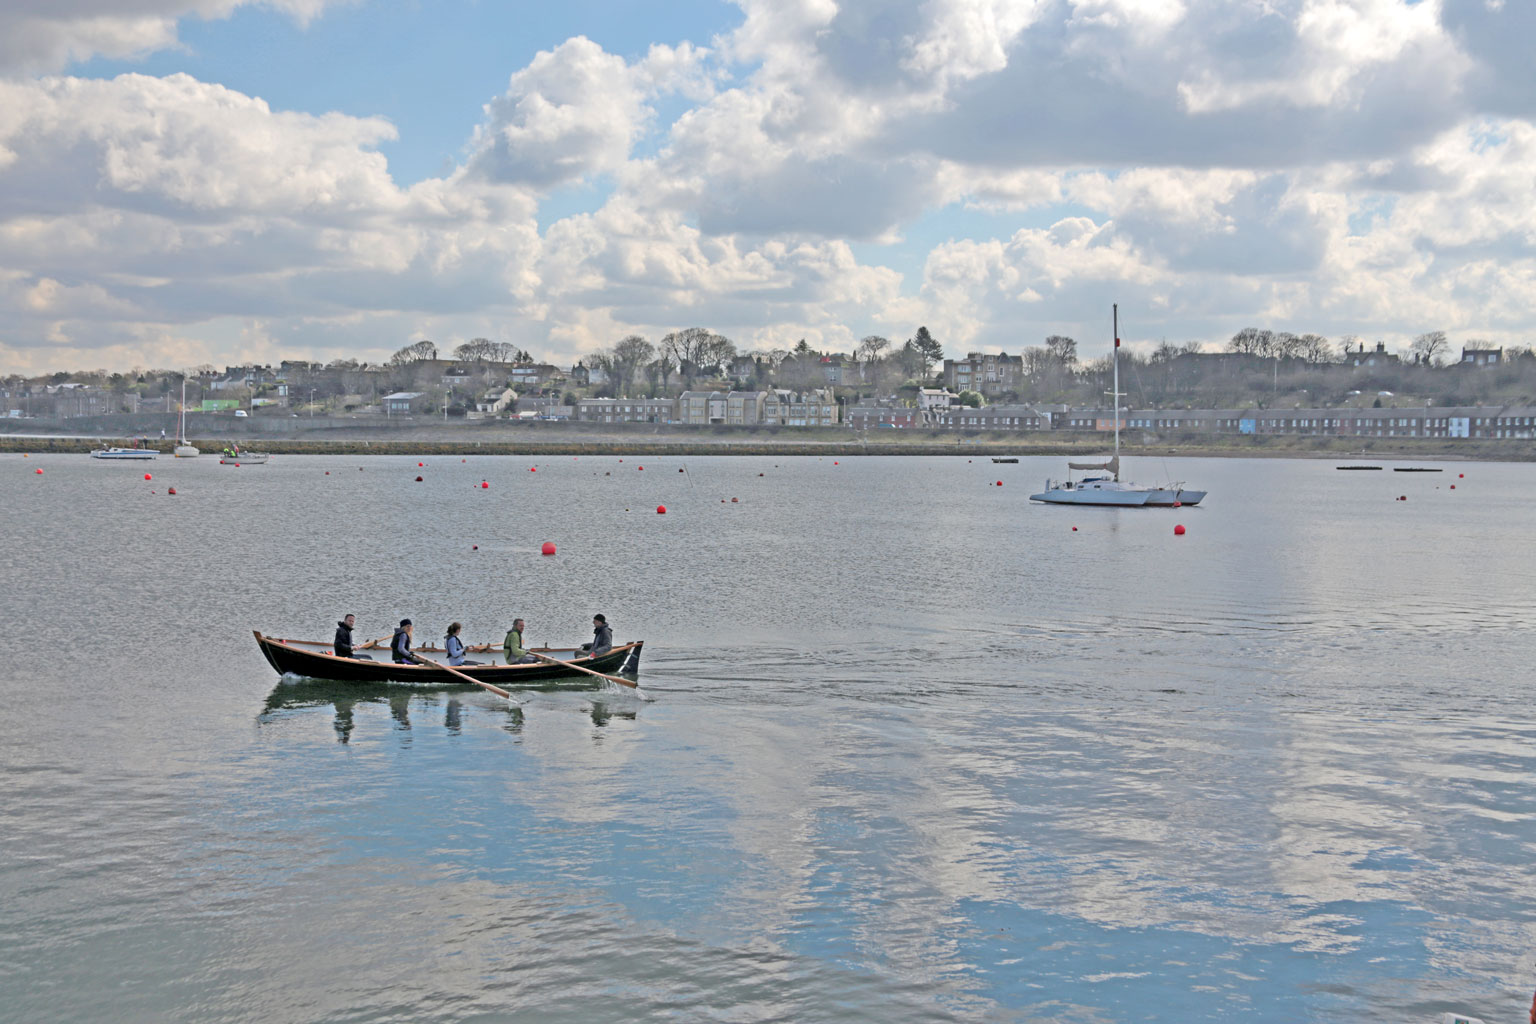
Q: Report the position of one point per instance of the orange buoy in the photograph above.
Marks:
(1178, 531)
(661, 510)
(548, 548)
(148, 477)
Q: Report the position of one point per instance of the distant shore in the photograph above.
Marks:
(840, 443)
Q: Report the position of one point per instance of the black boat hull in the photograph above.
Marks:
(289, 659)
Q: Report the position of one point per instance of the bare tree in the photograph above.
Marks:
(1315, 348)
(629, 355)
(1431, 347)
(475, 350)
(415, 353)
(1062, 349)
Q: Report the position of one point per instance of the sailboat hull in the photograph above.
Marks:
(1091, 496)
(1167, 497)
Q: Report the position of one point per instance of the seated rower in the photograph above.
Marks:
(602, 637)
(513, 645)
(343, 641)
(400, 644)
(455, 647)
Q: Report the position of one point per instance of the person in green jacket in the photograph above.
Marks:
(513, 645)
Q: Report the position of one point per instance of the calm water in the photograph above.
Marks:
(917, 751)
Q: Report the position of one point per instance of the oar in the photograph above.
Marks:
(372, 644)
(601, 675)
(498, 691)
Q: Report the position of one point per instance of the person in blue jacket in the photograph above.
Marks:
(455, 647)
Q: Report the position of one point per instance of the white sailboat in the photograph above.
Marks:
(183, 450)
(1111, 490)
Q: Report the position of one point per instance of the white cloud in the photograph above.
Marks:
(46, 35)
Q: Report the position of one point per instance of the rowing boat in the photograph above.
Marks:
(313, 659)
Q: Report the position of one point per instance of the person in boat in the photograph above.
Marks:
(400, 644)
(343, 641)
(602, 637)
(455, 647)
(513, 645)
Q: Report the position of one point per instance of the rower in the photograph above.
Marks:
(400, 644)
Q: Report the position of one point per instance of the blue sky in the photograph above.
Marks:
(226, 180)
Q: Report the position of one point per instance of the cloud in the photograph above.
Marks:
(47, 35)
(575, 112)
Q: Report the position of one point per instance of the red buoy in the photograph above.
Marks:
(999, 483)
(171, 491)
(679, 469)
(148, 477)
(418, 479)
(1178, 531)
(421, 463)
(1178, 504)
(548, 548)
(484, 486)
(474, 547)
(1074, 529)
(1461, 476)
(39, 471)
(1402, 497)
(661, 510)
(640, 468)
(327, 472)
(1453, 486)
(733, 500)
(533, 469)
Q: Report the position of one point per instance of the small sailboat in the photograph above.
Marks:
(183, 450)
(234, 455)
(1111, 490)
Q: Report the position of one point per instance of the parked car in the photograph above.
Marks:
(241, 413)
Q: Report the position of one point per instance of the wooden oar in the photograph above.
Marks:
(372, 644)
(498, 691)
(566, 664)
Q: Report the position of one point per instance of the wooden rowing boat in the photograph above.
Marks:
(313, 659)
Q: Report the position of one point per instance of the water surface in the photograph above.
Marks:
(918, 750)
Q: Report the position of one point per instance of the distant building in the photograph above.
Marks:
(867, 415)
(495, 401)
(701, 408)
(405, 403)
(815, 408)
(984, 373)
(1379, 357)
(929, 399)
(1481, 356)
(625, 410)
(991, 417)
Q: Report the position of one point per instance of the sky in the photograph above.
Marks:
(226, 181)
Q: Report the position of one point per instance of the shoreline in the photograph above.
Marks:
(1354, 449)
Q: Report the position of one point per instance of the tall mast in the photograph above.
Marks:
(1116, 356)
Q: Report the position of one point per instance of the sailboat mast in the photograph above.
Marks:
(1116, 357)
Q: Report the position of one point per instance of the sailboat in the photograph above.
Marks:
(183, 450)
(1111, 490)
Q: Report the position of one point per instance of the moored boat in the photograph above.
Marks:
(313, 660)
(235, 456)
(126, 454)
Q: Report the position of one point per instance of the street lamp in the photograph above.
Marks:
(311, 403)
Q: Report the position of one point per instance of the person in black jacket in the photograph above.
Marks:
(400, 644)
(602, 637)
(343, 641)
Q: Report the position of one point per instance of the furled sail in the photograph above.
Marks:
(1113, 465)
